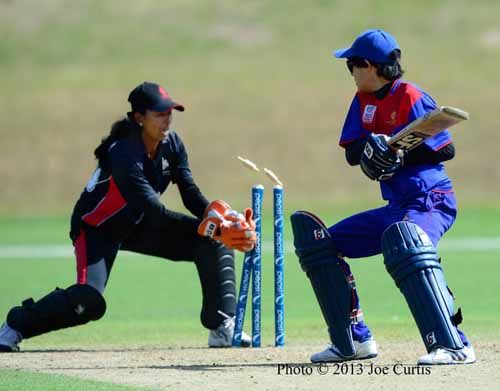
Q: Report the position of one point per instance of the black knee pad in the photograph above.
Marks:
(87, 302)
(60, 309)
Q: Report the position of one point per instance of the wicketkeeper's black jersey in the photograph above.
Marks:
(120, 196)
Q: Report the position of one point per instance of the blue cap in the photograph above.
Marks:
(375, 45)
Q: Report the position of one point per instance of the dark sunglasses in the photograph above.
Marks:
(357, 62)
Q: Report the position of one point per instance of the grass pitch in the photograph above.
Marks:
(152, 332)
(155, 302)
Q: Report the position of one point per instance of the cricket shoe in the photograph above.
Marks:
(364, 350)
(222, 336)
(9, 338)
(443, 356)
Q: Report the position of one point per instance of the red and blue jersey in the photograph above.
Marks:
(404, 103)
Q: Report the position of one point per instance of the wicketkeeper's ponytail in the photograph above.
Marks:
(119, 130)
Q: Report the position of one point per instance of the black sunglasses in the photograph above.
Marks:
(357, 62)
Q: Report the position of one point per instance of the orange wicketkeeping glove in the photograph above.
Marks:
(248, 214)
(216, 208)
(234, 230)
(219, 208)
(246, 223)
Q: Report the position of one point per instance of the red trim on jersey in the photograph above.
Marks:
(442, 191)
(443, 145)
(110, 205)
(345, 143)
(81, 258)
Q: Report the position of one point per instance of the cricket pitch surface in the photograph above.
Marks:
(265, 368)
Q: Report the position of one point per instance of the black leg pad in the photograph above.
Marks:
(60, 309)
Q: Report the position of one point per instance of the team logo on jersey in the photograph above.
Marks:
(94, 180)
(164, 164)
(392, 120)
(165, 167)
(369, 113)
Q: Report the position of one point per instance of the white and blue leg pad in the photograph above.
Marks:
(411, 259)
(318, 258)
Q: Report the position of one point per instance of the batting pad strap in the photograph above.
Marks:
(328, 279)
(412, 261)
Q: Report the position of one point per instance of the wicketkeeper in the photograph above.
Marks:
(420, 208)
(120, 210)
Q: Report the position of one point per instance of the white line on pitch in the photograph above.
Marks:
(66, 251)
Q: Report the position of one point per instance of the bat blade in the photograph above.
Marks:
(427, 126)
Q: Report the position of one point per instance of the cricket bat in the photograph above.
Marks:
(427, 126)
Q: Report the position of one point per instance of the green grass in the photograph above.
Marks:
(15, 380)
(471, 222)
(257, 78)
(156, 302)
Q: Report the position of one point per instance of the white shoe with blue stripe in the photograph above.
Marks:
(442, 356)
(364, 350)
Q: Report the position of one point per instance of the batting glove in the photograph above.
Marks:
(378, 160)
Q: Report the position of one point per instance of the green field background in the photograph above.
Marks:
(257, 78)
(155, 303)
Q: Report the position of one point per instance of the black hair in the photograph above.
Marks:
(392, 70)
(119, 130)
